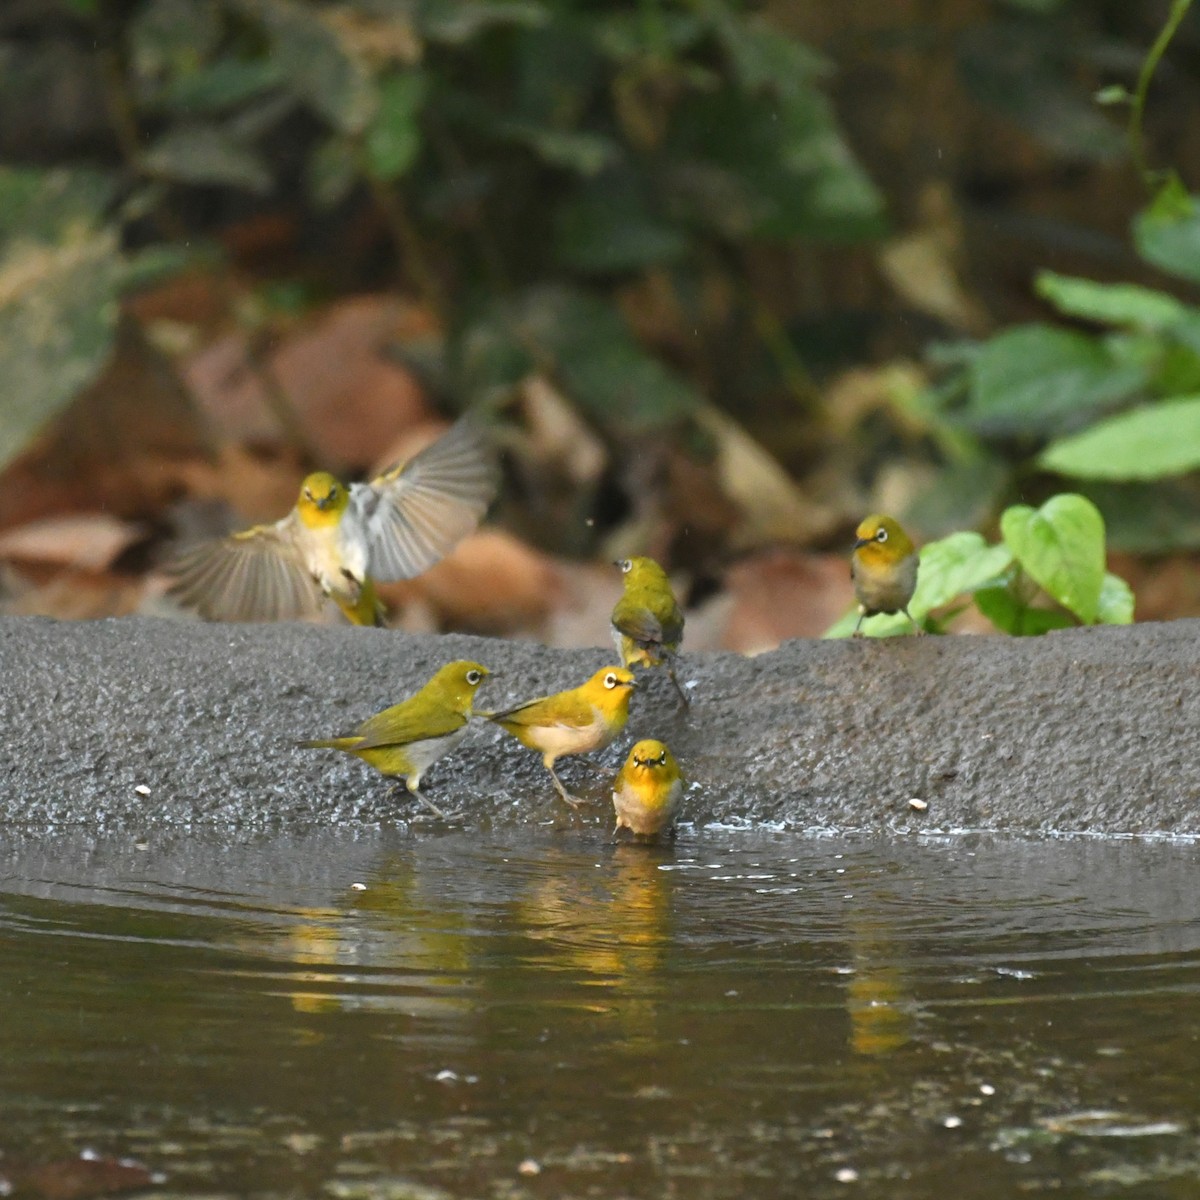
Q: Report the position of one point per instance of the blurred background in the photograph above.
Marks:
(724, 278)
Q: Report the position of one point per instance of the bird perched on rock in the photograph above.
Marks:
(646, 790)
(647, 621)
(406, 739)
(340, 538)
(883, 567)
(578, 721)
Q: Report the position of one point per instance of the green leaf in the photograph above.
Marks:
(609, 227)
(173, 35)
(321, 65)
(1028, 379)
(766, 58)
(1009, 615)
(1115, 93)
(48, 205)
(598, 362)
(767, 167)
(206, 154)
(587, 153)
(221, 85)
(332, 171)
(1116, 601)
(1111, 303)
(1152, 442)
(393, 138)
(58, 316)
(953, 565)
(1061, 547)
(1167, 233)
(458, 21)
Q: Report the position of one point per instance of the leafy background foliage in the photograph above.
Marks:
(906, 251)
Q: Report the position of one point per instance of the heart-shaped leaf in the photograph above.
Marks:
(1061, 547)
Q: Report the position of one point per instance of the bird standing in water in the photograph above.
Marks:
(883, 567)
(647, 621)
(578, 721)
(406, 739)
(646, 790)
(339, 539)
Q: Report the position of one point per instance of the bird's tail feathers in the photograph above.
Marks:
(340, 743)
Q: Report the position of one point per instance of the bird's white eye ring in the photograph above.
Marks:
(881, 536)
(610, 680)
(308, 493)
(626, 565)
(473, 677)
(662, 758)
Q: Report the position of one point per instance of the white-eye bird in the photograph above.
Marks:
(406, 739)
(577, 721)
(340, 538)
(883, 567)
(646, 790)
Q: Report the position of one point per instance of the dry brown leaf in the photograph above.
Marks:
(772, 507)
(348, 397)
(74, 595)
(92, 541)
(489, 583)
(784, 594)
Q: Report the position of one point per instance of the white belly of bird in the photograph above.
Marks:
(427, 751)
(330, 552)
(557, 740)
(888, 591)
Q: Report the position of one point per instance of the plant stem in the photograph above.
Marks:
(1137, 145)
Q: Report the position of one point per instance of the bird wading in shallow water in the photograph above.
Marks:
(647, 621)
(646, 790)
(883, 567)
(578, 721)
(408, 738)
(340, 538)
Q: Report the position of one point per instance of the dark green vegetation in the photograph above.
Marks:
(657, 211)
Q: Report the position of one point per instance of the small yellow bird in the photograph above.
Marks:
(408, 738)
(578, 721)
(884, 570)
(647, 621)
(646, 790)
(338, 539)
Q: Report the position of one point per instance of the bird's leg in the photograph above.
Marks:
(862, 614)
(678, 688)
(615, 839)
(573, 801)
(429, 804)
(916, 628)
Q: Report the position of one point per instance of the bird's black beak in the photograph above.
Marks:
(859, 543)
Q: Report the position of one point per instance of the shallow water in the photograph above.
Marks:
(545, 1015)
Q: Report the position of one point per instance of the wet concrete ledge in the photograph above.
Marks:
(1086, 730)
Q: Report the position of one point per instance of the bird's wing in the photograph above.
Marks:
(568, 709)
(405, 723)
(415, 513)
(255, 575)
(640, 622)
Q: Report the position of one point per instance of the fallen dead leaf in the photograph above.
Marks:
(348, 397)
(784, 594)
(93, 541)
(489, 583)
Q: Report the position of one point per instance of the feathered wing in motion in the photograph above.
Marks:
(414, 513)
(338, 539)
(258, 574)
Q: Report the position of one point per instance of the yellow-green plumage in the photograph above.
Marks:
(338, 538)
(883, 567)
(406, 739)
(647, 621)
(577, 721)
(646, 790)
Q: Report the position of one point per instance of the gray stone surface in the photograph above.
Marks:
(1085, 730)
